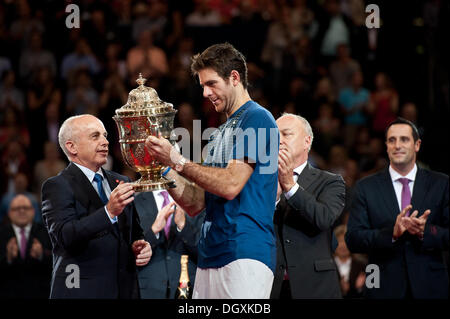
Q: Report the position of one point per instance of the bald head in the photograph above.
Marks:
(296, 134)
(71, 128)
(21, 211)
(83, 139)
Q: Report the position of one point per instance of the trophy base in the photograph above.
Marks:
(149, 186)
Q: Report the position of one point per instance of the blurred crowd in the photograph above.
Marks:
(314, 58)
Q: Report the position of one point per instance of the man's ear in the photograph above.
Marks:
(417, 145)
(235, 77)
(71, 147)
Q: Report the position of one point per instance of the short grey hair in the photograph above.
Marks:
(307, 127)
(66, 133)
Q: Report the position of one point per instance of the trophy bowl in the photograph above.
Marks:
(144, 114)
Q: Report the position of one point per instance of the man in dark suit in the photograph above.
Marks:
(171, 234)
(25, 253)
(407, 247)
(310, 202)
(92, 222)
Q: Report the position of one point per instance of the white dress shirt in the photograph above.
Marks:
(298, 170)
(343, 267)
(398, 186)
(90, 176)
(159, 199)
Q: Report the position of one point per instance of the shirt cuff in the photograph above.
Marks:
(292, 191)
(157, 236)
(113, 220)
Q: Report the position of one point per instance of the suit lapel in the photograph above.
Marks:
(421, 185)
(387, 192)
(307, 176)
(83, 189)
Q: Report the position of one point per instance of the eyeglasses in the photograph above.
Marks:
(18, 208)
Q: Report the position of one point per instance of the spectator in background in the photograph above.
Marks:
(337, 159)
(52, 122)
(13, 127)
(354, 102)
(351, 267)
(203, 16)
(49, 166)
(327, 127)
(5, 65)
(278, 46)
(150, 17)
(23, 27)
(21, 183)
(171, 234)
(82, 97)
(343, 68)
(81, 58)
(323, 93)
(410, 112)
(13, 160)
(182, 87)
(383, 103)
(25, 254)
(43, 92)
(34, 58)
(148, 59)
(333, 30)
(10, 95)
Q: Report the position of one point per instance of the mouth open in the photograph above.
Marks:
(215, 101)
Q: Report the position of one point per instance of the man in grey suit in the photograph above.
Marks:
(309, 202)
(171, 234)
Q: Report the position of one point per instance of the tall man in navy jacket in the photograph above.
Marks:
(399, 217)
(93, 225)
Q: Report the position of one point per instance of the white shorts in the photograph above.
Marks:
(240, 279)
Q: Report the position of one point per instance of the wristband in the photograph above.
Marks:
(163, 174)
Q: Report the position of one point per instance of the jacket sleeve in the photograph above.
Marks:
(321, 211)
(436, 235)
(361, 237)
(190, 234)
(66, 226)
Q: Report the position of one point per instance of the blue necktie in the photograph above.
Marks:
(98, 178)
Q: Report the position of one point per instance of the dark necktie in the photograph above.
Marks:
(101, 192)
(406, 193)
(23, 243)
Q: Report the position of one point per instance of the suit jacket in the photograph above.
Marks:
(160, 277)
(29, 277)
(304, 228)
(409, 260)
(83, 235)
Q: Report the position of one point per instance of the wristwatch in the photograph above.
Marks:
(180, 164)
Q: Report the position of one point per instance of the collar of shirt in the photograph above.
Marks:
(90, 174)
(395, 175)
(159, 199)
(298, 170)
(17, 232)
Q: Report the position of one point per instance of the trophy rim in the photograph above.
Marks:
(162, 184)
(130, 112)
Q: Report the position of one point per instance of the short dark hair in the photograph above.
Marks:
(401, 120)
(222, 58)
